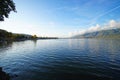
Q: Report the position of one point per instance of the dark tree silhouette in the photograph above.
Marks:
(6, 6)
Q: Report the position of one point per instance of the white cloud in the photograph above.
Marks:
(112, 24)
(94, 28)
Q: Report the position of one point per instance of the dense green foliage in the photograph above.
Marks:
(6, 6)
(7, 36)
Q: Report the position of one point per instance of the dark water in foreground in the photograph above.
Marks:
(67, 59)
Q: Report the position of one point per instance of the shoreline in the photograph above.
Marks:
(4, 75)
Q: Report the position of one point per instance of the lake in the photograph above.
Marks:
(62, 59)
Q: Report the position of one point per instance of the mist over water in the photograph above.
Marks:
(62, 59)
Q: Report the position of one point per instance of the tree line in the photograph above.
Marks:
(9, 36)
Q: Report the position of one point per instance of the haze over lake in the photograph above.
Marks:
(62, 59)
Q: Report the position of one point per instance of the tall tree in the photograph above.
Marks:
(6, 6)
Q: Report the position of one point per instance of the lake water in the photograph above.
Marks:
(62, 59)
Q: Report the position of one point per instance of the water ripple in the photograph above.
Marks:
(67, 59)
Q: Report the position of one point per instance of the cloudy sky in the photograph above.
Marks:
(62, 17)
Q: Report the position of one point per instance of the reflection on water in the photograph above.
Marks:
(4, 46)
(67, 59)
(35, 42)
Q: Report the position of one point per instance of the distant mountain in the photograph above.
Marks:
(112, 33)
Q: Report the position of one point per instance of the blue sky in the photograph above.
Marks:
(60, 17)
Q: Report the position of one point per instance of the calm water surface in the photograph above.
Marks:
(62, 59)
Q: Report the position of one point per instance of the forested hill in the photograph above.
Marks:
(7, 36)
(112, 33)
